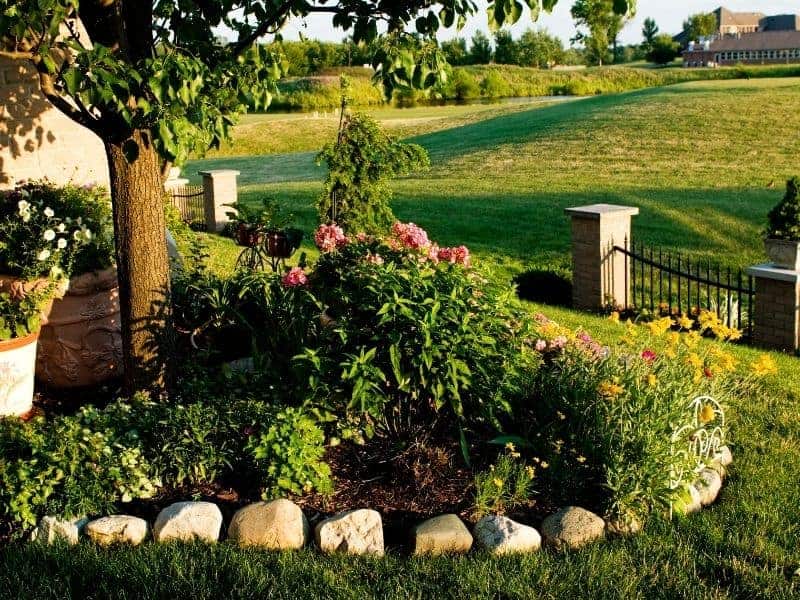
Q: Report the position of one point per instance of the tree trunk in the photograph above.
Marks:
(142, 263)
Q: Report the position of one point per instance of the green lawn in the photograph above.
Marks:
(699, 160)
(704, 161)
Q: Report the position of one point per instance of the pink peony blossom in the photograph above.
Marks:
(295, 277)
(461, 256)
(373, 259)
(411, 236)
(329, 237)
(445, 254)
(433, 253)
(541, 345)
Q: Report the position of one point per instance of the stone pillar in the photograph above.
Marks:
(776, 318)
(219, 189)
(599, 276)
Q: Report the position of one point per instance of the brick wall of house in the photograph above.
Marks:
(37, 140)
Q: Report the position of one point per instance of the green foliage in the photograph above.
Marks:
(599, 23)
(47, 230)
(494, 86)
(455, 51)
(539, 49)
(70, 466)
(700, 25)
(505, 49)
(649, 33)
(784, 219)
(506, 486)
(266, 215)
(360, 164)
(20, 317)
(288, 455)
(461, 85)
(480, 52)
(663, 50)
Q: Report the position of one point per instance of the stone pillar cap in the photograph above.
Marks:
(596, 211)
(214, 172)
(770, 271)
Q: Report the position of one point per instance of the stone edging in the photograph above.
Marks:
(281, 525)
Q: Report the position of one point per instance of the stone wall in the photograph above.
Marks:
(37, 140)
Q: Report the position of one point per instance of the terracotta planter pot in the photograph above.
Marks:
(17, 365)
(784, 254)
(81, 344)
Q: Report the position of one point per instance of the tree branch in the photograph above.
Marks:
(56, 99)
(16, 54)
(262, 29)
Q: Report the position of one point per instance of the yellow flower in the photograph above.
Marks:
(660, 326)
(608, 389)
(510, 446)
(684, 322)
(698, 377)
(706, 414)
(614, 316)
(561, 415)
(498, 482)
(694, 360)
(514, 454)
(691, 339)
(673, 338)
(652, 380)
(530, 471)
(764, 366)
(544, 465)
(581, 459)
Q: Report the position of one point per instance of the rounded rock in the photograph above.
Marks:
(445, 534)
(724, 456)
(689, 502)
(708, 485)
(353, 532)
(276, 525)
(501, 535)
(572, 527)
(51, 529)
(117, 529)
(188, 522)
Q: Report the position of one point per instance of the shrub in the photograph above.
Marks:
(288, 455)
(360, 164)
(494, 86)
(784, 219)
(54, 231)
(637, 421)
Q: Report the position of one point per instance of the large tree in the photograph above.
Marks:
(649, 33)
(700, 26)
(149, 78)
(599, 23)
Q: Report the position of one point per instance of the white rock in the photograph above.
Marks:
(708, 485)
(501, 535)
(572, 527)
(276, 525)
(117, 529)
(51, 529)
(187, 522)
(445, 534)
(353, 532)
(724, 456)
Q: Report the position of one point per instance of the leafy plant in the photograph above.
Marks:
(20, 317)
(507, 484)
(784, 219)
(288, 455)
(264, 216)
(360, 164)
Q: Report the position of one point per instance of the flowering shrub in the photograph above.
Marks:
(295, 277)
(505, 486)
(329, 237)
(49, 231)
(629, 418)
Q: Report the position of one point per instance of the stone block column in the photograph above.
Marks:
(219, 189)
(776, 322)
(599, 276)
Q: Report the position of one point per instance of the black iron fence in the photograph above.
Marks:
(188, 199)
(667, 283)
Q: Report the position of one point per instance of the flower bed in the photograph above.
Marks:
(388, 364)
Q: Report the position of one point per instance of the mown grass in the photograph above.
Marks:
(704, 161)
(698, 159)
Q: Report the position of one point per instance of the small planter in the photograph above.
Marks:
(17, 365)
(81, 344)
(784, 254)
(248, 237)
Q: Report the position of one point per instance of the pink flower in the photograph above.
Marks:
(362, 237)
(559, 342)
(411, 236)
(541, 319)
(445, 254)
(374, 259)
(461, 256)
(541, 345)
(295, 277)
(649, 356)
(329, 237)
(433, 254)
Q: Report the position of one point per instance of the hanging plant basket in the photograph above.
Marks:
(249, 236)
(283, 243)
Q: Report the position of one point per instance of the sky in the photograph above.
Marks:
(668, 14)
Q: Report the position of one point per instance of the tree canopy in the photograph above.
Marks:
(700, 25)
(602, 20)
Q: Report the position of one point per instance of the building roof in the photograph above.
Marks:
(738, 19)
(781, 23)
(762, 40)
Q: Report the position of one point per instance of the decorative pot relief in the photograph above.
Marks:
(82, 342)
